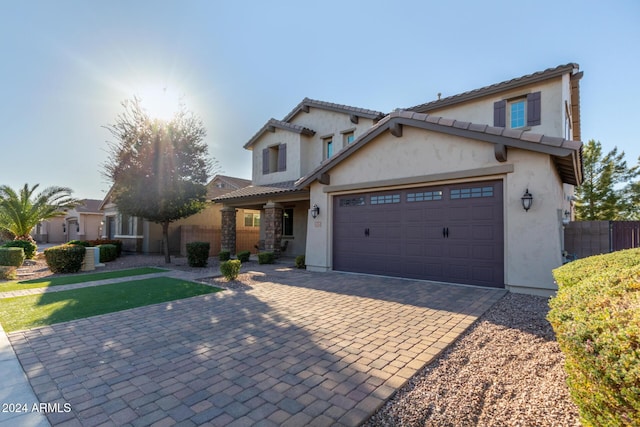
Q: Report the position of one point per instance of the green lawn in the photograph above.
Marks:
(76, 278)
(54, 307)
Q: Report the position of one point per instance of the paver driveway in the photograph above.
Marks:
(292, 348)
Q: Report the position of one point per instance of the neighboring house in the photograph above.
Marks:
(143, 236)
(84, 222)
(430, 192)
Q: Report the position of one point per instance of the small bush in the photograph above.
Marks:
(198, 253)
(266, 258)
(224, 255)
(230, 269)
(596, 318)
(300, 261)
(117, 243)
(12, 256)
(30, 249)
(108, 252)
(84, 243)
(244, 256)
(65, 258)
(8, 272)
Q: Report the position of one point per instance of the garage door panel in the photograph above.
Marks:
(406, 233)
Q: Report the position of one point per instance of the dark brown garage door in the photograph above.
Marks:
(450, 233)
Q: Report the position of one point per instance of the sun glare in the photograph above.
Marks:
(161, 102)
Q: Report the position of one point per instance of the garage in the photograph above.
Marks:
(448, 233)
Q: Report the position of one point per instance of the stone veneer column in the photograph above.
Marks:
(228, 237)
(272, 227)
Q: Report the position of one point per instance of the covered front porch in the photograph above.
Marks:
(283, 218)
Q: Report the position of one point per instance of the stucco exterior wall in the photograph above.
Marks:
(269, 139)
(554, 93)
(532, 239)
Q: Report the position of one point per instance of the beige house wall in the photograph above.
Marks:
(553, 120)
(532, 239)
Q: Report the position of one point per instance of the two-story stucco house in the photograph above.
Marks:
(469, 189)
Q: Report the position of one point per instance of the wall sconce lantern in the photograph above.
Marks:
(527, 200)
(315, 211)
(77, 227)
(64, 228)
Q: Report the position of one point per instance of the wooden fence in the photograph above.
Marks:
(246, 238)
(586, 238)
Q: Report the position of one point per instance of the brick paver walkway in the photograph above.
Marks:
(296, 348)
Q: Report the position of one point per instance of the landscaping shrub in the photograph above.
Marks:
(64, 258)
(117, 243)
(224, 255)
(108, 252)
(300, 261)
(198, 253)
(244, 256)
(84, 243)
(30, 249)
(230, 269)
(12, 256)
(266, 258)
(8, 272)
(596, 318)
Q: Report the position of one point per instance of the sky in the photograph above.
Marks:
(67, 66)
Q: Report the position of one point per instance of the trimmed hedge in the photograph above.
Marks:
(596, 318)
(84, 243)
(30, 249)
(266, 258)
(13, 257)
(244, 256)
(300, 262)
(230, 269)
(108, 252)
(198, 253)
(224, 255)
(8, 272)
(117, 243)
(65, 258)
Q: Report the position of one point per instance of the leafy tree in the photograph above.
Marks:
(158, 168)
(603, 194)
(21, 211)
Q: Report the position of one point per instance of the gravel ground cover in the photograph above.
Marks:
(506, 370)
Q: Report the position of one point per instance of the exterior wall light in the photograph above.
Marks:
(527, 200)
(315, 211)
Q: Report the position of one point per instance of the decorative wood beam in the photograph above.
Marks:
(324, 179)
(396, 129)
(354, 119)
(305, 108)
(500, 151)
(271, 128)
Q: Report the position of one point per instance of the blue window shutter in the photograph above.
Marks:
(282, 157)
(265, 161)
(500, 114)
(534, 109)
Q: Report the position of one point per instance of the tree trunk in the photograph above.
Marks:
(165, 242)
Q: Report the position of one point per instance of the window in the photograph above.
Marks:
(352, 201)
(349, 137)
(252, 220)
(126, 225)
(517, 114)
(521, 112)
(426, 196)
(386, 199)
(274, 159)
(328, 147)
(466, 193)
(287, 222)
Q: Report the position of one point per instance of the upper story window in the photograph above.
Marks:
(349, 137)
(328, 147)
(524, 111)
(274, 159)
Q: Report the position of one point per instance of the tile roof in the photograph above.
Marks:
(260, 190)
(231, 184)
(566, 153)
(272, 124)
(307, 102)
(89, 206)
(498, 87)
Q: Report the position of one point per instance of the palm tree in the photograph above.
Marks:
(20, 212)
